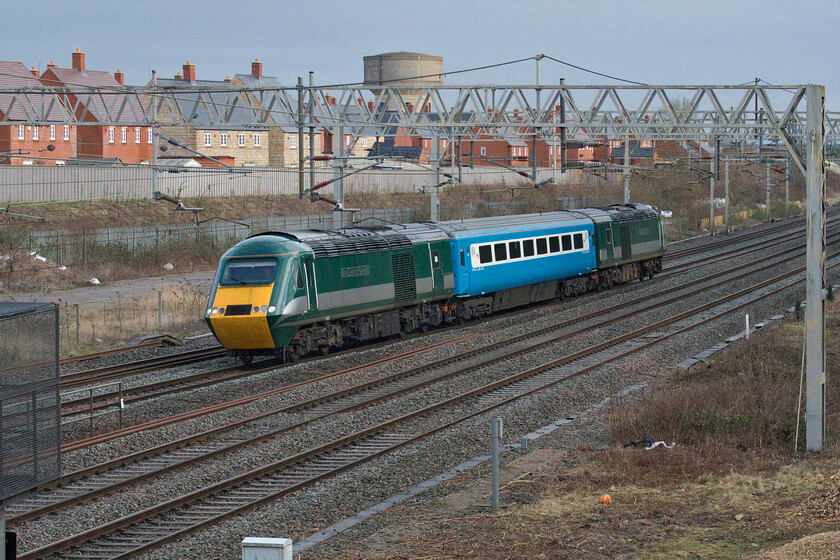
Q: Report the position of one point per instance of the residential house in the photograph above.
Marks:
(221, 121)
(21, 141)
(94, 93)
(283, 140)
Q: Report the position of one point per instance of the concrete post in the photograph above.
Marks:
(435, 209)
(726, 190)
(815, 281)
(154, 137)
(627, 165)
(301, 156)
(495, 436)
(712, 199)
(338, 170)
(788, 172)
(767, 190)
(311, 129)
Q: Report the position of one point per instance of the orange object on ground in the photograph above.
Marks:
(605, 499)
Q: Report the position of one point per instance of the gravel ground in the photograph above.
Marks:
(328, 501)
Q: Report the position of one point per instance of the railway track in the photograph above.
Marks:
(162, 523)
(204, 379)
(164, 459)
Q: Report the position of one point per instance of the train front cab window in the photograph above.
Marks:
(249, 272)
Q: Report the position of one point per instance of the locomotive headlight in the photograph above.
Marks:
(263, 309)
(214, 311)
(209, 310)
(221, 311)
(255, 309)
(272, 308)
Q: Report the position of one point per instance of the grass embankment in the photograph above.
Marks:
(729, 488)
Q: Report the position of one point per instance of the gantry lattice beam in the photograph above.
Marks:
(650, 112)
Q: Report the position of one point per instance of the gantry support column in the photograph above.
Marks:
(815, 284)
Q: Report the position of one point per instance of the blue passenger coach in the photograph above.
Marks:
(503, 252)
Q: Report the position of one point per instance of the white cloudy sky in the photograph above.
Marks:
(653, 41)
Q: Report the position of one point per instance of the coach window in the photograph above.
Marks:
(435, 259)
(501, 251)
(542, 246)
(567, 242)
(514, 250)
(528, 247)
(463, 261)
(554, 244)
(578, 241)
(485, 254)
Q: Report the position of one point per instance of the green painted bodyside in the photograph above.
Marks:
(608, 241)
(339, 281)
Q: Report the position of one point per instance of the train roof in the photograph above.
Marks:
(630, 212)
(517, 221)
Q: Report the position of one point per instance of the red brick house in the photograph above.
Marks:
(30, 143)
(131, 144)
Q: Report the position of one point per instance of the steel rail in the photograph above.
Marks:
(249, 490)
(161, 465)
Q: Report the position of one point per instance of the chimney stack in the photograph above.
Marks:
(227, 79)
(120, 77)
(178, 76)
(52, 64)
(189, 72)
(256, 68)
(79, 60)
(35, 72)
(409, 107)
(371, 105)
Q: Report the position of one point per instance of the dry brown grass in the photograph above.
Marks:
(113, 322)
(728, 490)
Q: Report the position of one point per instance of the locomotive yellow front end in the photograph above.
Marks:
(256, 281)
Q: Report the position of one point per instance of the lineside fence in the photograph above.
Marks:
(74, 248)
(67, 183)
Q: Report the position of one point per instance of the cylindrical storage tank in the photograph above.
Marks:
(392, 69)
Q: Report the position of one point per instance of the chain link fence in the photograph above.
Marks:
(30, 437)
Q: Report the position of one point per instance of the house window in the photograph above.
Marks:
(207, 139)
(364, 142)
(292, 141)
(257, 139)
(34, 132)
(149, 137)
(483, 151)
(241, 139)
(52, 132)
(67, 132)
(123, 135)
(111, 134)
(223, 138)
(20, 132)
(137, 135)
